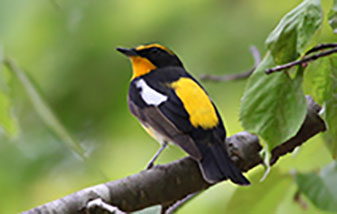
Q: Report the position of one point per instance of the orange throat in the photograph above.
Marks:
(141, 66)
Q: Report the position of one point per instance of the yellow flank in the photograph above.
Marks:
(196, 102)
(141, 66)
(142, 47)
(153, 133)
(149, 131)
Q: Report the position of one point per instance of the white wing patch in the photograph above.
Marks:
(149, 95)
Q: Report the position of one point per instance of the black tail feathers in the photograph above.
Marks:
(216, 165)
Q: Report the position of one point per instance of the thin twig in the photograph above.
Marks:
(181, 202)
(97, 206)
(321, 47)
(229, 77)
(301, 61)
(256, 55)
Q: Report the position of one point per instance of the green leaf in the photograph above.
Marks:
(289, 39)
(317, 79)
(260, 197)
(7, 120)
(43, 110)
(273, 106)
(5, 76)
(320, 81)
(330, 109)
(333, 17)
(320, 189)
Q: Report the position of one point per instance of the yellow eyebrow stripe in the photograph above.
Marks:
(142, 47)
(196, 102)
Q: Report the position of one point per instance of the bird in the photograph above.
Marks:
(173, 107)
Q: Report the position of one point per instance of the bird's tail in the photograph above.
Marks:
(216, 165)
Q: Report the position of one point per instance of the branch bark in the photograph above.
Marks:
(166, 184)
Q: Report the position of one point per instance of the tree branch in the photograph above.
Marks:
(166, 184)
(229, 77)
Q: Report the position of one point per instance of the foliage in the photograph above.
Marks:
(268, 102)
(67, 49)
(274, 106)
(44, 110)
(291, 36)
(274, 187)
(330, 108)
(7, 121)
(333, 16)
(320, 188)
(320, 82)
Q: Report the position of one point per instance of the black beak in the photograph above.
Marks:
(128, 52)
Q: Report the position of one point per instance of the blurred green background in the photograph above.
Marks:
(68, 49)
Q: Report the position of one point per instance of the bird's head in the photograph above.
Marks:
(145, 58)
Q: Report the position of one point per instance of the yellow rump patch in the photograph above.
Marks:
(196, 102)
(141, 66)
(142, 47)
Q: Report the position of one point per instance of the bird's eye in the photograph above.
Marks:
(155, 51)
